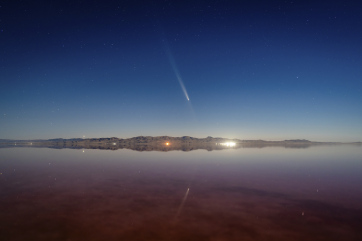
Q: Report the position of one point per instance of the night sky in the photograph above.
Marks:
(270, 70)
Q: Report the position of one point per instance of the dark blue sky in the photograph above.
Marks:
(251, 69)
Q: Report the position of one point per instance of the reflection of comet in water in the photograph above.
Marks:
(181, 205)
(174, 67)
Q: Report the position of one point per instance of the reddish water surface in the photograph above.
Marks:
(239, 194)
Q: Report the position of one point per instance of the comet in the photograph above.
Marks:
(175, 70)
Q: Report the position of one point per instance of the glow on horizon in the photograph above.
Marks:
(228, 144)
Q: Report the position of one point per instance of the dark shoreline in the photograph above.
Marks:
(163, 143)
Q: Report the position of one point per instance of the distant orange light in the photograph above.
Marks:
(167, 143)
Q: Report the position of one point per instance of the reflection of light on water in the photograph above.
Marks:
(182, 204)
(228, 144)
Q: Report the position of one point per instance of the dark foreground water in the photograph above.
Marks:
(270, 193)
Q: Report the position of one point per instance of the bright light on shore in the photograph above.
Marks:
(228, 144)
(167, 143)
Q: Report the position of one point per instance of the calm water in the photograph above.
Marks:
(272, 193)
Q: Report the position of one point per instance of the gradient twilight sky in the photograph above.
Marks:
(270, 70)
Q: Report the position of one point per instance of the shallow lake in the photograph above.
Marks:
(271, 193)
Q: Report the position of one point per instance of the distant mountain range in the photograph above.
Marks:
(161, 143)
